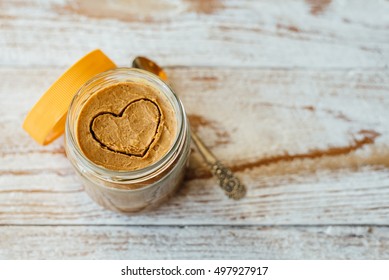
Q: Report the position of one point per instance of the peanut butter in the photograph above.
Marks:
(126, 126)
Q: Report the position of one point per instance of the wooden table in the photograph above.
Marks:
(292, 95)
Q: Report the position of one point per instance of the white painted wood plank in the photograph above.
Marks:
(268, 33)
(93, 242)
(312, 147)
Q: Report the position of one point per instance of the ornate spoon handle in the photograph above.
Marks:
(227, 180)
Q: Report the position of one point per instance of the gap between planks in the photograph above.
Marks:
(232, 226)
(172, 67)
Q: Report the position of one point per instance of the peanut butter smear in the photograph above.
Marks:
(126, 126)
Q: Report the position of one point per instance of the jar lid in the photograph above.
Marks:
(46, 120)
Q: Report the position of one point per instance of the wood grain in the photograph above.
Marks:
(293, 96)
(307, 34)
(91, 242)
(311, 147)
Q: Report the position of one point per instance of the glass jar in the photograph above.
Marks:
(129, 191)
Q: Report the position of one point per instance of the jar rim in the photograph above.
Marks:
(144, 173)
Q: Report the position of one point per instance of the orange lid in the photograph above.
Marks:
(46, 120)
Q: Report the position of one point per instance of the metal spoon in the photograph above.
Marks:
(226, 179)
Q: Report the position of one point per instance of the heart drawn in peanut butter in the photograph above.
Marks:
(132, 131)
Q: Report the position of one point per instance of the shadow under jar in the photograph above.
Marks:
(129, 191)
